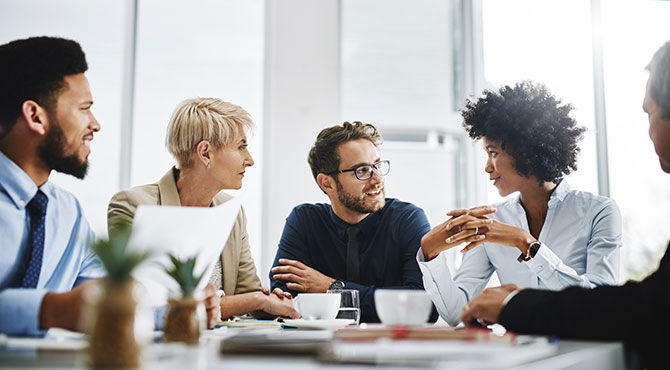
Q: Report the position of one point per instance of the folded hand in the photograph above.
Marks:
(458, 229)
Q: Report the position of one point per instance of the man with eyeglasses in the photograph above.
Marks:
(360, 240)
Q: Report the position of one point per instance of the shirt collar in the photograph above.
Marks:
(562, 189)
(16, 183)
(557, 196)
(365, 224)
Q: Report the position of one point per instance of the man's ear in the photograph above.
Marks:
(203, 152)
(326, 183)
(35, 116)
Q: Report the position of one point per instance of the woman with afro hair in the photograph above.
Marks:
(548, 236)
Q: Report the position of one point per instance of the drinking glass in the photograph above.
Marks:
(350, 306)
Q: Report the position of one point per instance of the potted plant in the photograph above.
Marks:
(112, 338)
(185, 316)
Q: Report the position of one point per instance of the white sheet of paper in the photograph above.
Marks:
(185, 232)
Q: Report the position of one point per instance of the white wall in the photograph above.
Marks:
(98, 27)
(301, 98)
(198, 48)
(282, 61)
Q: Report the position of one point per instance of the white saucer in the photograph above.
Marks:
(318, 324)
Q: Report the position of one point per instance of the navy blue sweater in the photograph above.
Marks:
(388, 242)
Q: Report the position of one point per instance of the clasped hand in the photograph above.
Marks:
(472, 226)
(463, 226)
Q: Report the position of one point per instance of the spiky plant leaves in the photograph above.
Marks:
(114, 256)
(182, 272)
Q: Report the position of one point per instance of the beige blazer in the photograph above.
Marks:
(239, 272)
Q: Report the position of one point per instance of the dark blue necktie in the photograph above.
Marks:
(353, 268)
(37, 209)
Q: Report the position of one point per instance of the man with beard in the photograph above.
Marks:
(635, 312)
(46, 124)
(360, 240)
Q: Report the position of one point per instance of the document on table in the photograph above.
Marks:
(185, 232)
(446, 353)
(56, 339)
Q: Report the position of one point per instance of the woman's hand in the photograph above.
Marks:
(211, 303)
(454, 232)
(498, 233)
(277, 291)
(273, 305)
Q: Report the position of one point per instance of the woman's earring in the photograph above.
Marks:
(208, 165)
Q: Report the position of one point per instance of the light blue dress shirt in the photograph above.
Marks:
(66, 262)
(580, 240)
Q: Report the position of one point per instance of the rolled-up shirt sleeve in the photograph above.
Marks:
(449, 294)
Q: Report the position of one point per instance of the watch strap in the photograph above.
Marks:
(530, 252)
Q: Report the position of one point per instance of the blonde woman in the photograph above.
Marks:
(207, 138)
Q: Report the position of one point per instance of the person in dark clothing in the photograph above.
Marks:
(635, 312)
(361, 240)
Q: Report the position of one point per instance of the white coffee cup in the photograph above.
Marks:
(403, 306)
(319, 306)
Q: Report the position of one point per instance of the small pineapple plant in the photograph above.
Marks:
(184, 320)
(112, 339)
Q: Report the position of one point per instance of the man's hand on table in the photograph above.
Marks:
(301, 278)
(63, 310)
(485, 308)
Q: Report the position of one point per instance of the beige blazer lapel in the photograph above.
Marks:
(230, 256)
(167, 190)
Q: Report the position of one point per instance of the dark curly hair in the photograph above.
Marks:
(531, 125)
(323, 157)
(33, 69)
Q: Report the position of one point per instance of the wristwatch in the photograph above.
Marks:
(532, 251)
(337, 285)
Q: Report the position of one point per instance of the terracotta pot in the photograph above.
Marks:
(112, 340)
(184, 320)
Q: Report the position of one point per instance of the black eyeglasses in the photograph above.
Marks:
(365, 171)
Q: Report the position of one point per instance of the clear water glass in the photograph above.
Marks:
(350, 305)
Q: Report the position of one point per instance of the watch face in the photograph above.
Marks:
(533, 248)
(337, 285)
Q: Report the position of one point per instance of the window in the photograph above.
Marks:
(637, 182)
(191, 49)
(397, 73)
(532, 40)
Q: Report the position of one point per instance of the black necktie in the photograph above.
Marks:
(37, 209)
(353, 269)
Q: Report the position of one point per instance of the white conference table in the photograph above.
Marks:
(538, 353)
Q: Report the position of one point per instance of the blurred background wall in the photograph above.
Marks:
(298, 66)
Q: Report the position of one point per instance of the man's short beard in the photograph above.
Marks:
(51, 152)
(353, 203)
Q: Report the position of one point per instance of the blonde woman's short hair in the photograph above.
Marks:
(198, 119)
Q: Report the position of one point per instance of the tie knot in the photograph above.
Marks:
(38, 205)
(352, 231)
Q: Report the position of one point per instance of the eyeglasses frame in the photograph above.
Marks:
(374, 167)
